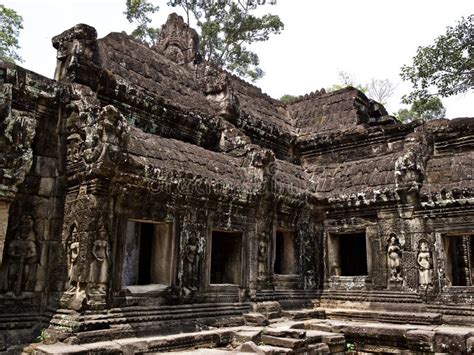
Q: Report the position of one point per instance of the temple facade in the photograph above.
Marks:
(145, 191)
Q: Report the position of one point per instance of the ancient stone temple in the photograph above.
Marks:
(145, 192)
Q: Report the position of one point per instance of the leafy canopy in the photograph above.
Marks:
(423, 110)
(139, 11)
(445, 68)
(288, 99)
(226, 29)
(10, 25)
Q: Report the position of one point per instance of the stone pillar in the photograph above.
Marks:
(4, 207)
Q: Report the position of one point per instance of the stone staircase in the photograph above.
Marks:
(137, 321)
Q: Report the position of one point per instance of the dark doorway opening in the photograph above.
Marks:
(149, 254)
(353, 254)
(285, 259)
(226, 257)
(145, 253)
(461, 260)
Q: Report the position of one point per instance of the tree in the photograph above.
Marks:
(288, 99)
(345, 80)
(226, 29)
(10, 25)
(139, 11)
(445, 68)
(380, 90)
(423, 110)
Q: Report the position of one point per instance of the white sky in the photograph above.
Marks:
(366, 38)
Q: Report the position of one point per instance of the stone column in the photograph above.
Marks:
(4, 207)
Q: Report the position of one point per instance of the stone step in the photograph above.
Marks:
(384, 316)
(368, 336)
(204, 339)
(314, 313)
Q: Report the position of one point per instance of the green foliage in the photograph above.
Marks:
(139, 11)
(10, 25)
(445, 68)
(226, 29)
(42, 337)
(288, 99)
(423, 110)
(350, 347)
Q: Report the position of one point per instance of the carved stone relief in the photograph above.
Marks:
(21, 258)
(424, 260)
(394, 259)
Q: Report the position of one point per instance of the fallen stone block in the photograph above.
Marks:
(249, 347)
(256, 318)
(273, 350)
(270, 309)
(285, 332)
(318, 348)
(451, 339)
(245, 335)
(290, 343)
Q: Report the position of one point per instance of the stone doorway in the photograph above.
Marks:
(284, 253)
(149, 255)
(460, 259)
(226, 258)
(348, 254)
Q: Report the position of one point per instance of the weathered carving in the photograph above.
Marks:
(73, 46)
(177, 41)
(99, 269)
(394, 257)
(73, 254)
(191, 266)
(22, 257)
(262, 258)
(160, 136)
(17, 130)
(424, 260)
(216, 86)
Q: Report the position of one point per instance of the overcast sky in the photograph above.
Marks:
(365, 38)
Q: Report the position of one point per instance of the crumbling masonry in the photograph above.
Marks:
(145, 192)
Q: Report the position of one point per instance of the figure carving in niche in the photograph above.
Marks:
(262, 258)
(191, 264)
(98, 274)
(394, 256)
(22, 255)
(425, 265)
(73, 273)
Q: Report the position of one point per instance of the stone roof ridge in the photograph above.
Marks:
(262, 94)
(320, 93)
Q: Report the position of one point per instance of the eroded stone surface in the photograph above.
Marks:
(135, 154)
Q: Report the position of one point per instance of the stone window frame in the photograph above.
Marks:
(330, 232)
(440, 262)
(151, 290)
(207, 263)
(273, 252)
